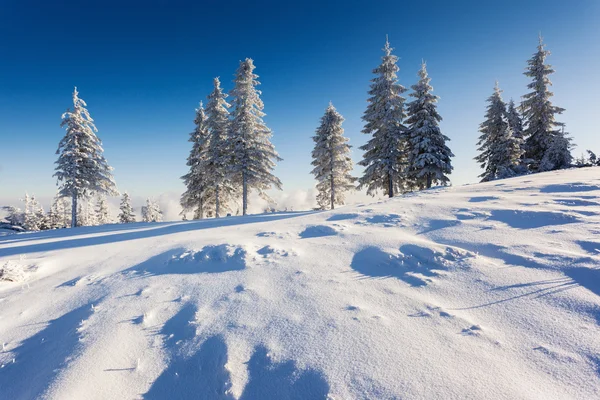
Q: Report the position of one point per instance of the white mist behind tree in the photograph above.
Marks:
(151, 212)
(81, 169)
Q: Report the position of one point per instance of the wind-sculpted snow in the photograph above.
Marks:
(211, 259)
(318, 231)
(531, 219)
(40, 358)
(413, 264)
(482, 291)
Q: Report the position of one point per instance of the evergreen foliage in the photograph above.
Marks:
(252, 156)
(331, 159)
(547, 147)
(429, 156)
(81, 169)
(384, 155)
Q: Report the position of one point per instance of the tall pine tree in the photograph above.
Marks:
(126, 215)
(220, 150)
(331, 159)
(253, 155)
(543, 132)
(151, 211)
(500, 150)
(384, 154)
(429, 157)
(199, 194)
(515, 122)
(81, 168)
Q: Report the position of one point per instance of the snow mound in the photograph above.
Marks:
(211, 259)
(481, 291)
(15, 271)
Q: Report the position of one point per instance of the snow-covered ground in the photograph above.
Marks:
(483, 291)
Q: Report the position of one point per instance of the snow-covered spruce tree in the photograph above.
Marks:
(33, 216)
(385, 153)
(515, 122)
(198, 195)
(56, 214)
(428, 157)
(27, 217)
(539, 114)
(157, 215)
(253, 156)
(66, 209)
(151, 211)
(86, 212)
(220, 150)
(594, 160)
(331, 159)
(500, 150)
(102, 213)
(126, 215)
(81, 168)
(14, 216)
(558, 155)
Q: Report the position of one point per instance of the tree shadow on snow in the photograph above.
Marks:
(590, 247)
(283, 381)
(180, 326)
(480, 199)
(531, 219)
(569, 187)
(211, 259)
(342, 217)
(67, 238)
(414, 265)
(317, 231)
(39, 359)
(588, 278)
(201, 376)
(437, 224)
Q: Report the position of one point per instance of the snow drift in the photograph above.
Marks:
(482, 291)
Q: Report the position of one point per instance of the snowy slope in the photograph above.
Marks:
(482, 291)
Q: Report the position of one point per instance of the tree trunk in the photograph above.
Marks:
(217, 201)
(390, 186)
(74, 210)
(332, 194)
(429, 181)
(244, 193)
(332, 187)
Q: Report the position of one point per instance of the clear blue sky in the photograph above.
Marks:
(142, 67)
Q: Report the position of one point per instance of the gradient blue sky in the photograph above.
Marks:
(142, 67)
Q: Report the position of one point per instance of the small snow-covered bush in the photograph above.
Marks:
(12, 271)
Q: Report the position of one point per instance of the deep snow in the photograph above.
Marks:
(481, 291)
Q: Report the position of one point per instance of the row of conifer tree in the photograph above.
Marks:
(91, 211)
(527, 138)
(232, 153)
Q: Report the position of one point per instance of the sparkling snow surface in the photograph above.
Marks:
(482, 291)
